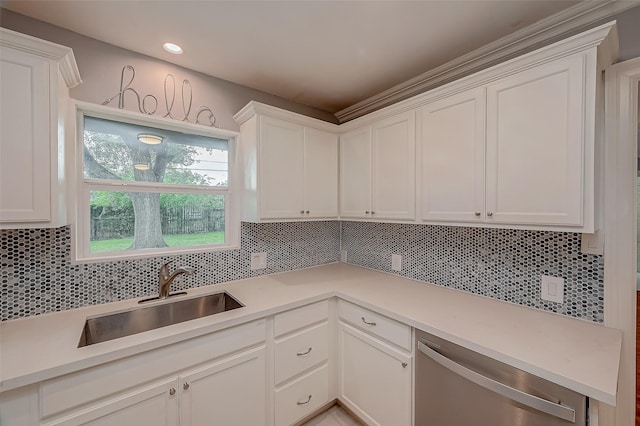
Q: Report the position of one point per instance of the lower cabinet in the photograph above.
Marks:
(374, 378)
(241, 376)
(215, 394)
(231, 392)
(154, 405)
(301, 362)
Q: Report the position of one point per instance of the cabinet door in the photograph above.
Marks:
(25, 139)
(320, 173)
(231, 392)
(453, 140)
(355, 173)
(393, 174)
(281, 169)
(535, 158)
(374, 379)
(149, 405)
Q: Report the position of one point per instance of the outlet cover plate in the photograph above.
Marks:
(396, 262)
(258, 261)
(552, 289)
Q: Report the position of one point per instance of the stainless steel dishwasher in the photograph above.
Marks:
(455, 386)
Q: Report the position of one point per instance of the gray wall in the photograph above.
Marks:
(628, 33)
(100, 66)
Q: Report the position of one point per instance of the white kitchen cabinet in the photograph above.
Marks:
(355, 173)
(290, 165)
(535, 166)
(536, 144)
(183, 383)
(377, 170)
(231, 392)
(34, 80)
(374, 378)
(302, 366)
(154, 405)
(452, 138)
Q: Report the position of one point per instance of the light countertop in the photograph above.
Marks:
(577, 354)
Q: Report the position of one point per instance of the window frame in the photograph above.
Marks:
(81, 187)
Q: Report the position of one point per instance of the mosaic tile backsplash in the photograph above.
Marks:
(498, 263)
(37, 276)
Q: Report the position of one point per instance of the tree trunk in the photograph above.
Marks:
(148, 224)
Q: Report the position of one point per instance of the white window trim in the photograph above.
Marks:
(79, 187)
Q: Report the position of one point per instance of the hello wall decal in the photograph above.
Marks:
(148, 104)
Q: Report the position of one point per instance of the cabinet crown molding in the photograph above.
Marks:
(548, 30)
(55, 52)
(603, 37)
(253, 108)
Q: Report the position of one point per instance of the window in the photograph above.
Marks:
(151, 186)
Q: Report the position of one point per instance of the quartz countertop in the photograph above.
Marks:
(577, 354)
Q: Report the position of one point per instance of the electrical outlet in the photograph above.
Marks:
(258, 261)
(552, 289)
(396, 262)
(343, 256)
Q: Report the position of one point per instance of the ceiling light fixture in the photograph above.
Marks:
(150, 139)
(172, 48)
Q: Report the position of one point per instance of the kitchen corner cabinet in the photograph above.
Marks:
(34, 79)
(375, 366)
(290, 165)
(377, 170)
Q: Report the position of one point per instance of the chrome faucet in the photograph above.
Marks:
(165, 279)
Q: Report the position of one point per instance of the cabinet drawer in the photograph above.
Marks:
(296, 319)
(301, 351)
(376, 324)
(92, 384)
(302, 397)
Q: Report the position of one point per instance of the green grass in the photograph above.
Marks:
(172, 240)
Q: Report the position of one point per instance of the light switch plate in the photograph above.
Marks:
(258, 261)
(552, 289)
(396, 262)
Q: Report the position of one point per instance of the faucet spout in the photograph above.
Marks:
(165, 279)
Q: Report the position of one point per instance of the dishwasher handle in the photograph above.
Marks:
(551, 408)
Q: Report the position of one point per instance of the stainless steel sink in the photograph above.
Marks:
(112, 326)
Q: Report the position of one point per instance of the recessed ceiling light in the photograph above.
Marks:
(172, 48)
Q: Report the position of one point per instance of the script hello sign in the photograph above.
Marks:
(148, 104)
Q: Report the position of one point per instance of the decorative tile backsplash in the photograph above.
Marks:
(37, 275)
(498, 263)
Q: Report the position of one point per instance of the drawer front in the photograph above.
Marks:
(386, 328)
(92, 384)
(302, 397)
(296, 319)
(301, 351)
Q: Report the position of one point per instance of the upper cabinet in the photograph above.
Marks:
(34, 80)
(515, 146)
(290, 165)
(453, 150)
(377, 170)
(537, 145)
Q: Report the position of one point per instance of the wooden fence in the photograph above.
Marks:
(175, 221)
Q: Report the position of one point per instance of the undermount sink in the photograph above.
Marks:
(120, 324)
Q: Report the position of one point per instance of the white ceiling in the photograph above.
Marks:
(325, 54)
